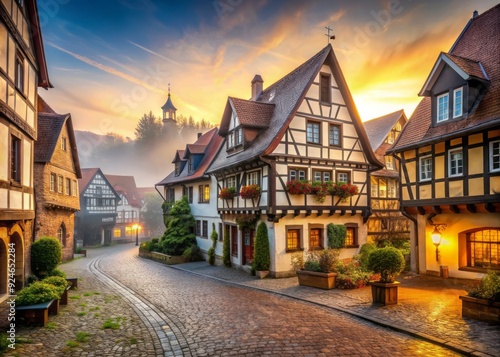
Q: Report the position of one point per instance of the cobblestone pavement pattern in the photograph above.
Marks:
(165, 311)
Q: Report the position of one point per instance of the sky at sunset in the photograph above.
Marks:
(111, 61)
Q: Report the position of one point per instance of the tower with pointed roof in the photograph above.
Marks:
(168, 110)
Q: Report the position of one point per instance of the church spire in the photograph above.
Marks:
(169, 108)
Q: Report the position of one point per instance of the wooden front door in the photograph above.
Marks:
(248, 235)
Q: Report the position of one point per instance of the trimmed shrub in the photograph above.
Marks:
(488, 289)
(364, 253)
(59, 282)
(211, 251)
(336, 235)
(46, 255)
(179, 235)
(193, 254)
(388, 262)
(262, 255)
(226, 249)
(57, 272)
(37, 293)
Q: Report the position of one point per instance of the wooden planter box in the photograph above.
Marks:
(479, 309)
(317, 280)
(385, 293)
(261, 274)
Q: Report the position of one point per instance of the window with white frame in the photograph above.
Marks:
(239, 136)
(495, 155)
(253, 178)
(64, 145)
(53, 179)
(455, 162)
(457, 102)
(313, 132)
(442, 107)
(425, 165)
(322, 176)
(334, 138)
(231, 181)
(60, 184)
(389, 163)
(297, 174)
(230, 140)
(343, 176)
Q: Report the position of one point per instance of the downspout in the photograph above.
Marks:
(403, 212)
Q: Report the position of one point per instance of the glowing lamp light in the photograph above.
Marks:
(136, 227)
(436, 237)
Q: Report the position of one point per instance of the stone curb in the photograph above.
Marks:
(423, 336)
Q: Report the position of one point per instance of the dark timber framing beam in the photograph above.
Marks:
(471, 208)
(454, 209)
(490, 207)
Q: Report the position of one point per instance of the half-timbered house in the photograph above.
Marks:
(189, 179)
(23, 70)
(304, 128)
(387, 223)
(56, 174)
(128, 225)
(95, 221)
(450, 156)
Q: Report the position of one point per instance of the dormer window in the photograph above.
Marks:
(177, 168)
(191, 164)
(457, 102)
(230, 140)
(239, 136)
(442, 107)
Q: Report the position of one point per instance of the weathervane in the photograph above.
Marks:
(332, 37)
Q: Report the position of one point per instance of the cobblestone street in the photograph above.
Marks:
(160, 311)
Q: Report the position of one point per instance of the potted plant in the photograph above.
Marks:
(250, 191)
(388, 262)
(298, 187)
(483, 301)
(262, 254)
(317, 269)
(245, 220)
(227, 193)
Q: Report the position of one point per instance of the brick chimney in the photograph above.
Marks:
(257, 84)
(475, 13)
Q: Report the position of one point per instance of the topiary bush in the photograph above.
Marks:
(57, 272)
(336, 234)
(37, 293)
(262, 254)
(193, 254)
(59, 282)
(388, 262)
(211, 251)
(226, 249)
(46, 254)
(179, 234)
(364, 253)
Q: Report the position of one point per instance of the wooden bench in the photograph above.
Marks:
(38, 314)
(74, 283)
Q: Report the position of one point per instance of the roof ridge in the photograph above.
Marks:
(382, 116)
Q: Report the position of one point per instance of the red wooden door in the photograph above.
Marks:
(248, 235)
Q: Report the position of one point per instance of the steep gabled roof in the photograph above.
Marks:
(125, 185)
(287, 94)
(50, 127)
(377, 129)
(478, 43)
(194, 149)
(179, 156)
(251, 114)
(87, 176)
(212, 146)
(36, 35)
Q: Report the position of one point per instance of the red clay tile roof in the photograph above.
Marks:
(87, 176)
(212, 146)
(472, 68)
(50, 125)
(251, 114)
(377, 129)
(479, 42)
(179, 156)
(125, 185)
(287, 94)
(43, 106)
(194, 149)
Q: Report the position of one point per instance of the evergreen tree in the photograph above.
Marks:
(226, 251)
(262, 256)
(148, 128)
(179, 234)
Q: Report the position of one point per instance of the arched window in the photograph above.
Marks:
(61, 235)
(483, 248)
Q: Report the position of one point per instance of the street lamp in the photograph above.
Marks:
(436, 237)
(136, 227)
